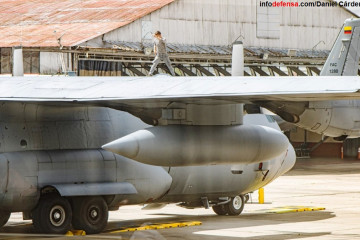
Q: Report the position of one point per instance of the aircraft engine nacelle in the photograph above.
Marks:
(332, 118)
(201, 145)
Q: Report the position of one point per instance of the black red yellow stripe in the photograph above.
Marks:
(348, 30)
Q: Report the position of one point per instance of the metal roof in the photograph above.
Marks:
(40, 23)
(220, 50)
(172, 48)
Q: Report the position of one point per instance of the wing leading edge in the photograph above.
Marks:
(159, 91)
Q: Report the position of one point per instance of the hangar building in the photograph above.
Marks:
(109, 37)
(113, 37)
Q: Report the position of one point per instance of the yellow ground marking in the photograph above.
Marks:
(76, 233)
(289, 209)
(158, 226)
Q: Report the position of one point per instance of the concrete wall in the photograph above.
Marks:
(220, 22)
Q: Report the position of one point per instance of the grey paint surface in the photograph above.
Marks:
(201, 145)
(52, 146)
(95, 189)
(338, 118)
(344, 57)
(159, 91)
(320, 182)
(54, 139)
(30, 169)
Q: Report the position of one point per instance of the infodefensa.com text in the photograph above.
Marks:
(309, 4)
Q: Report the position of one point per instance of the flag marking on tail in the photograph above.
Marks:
(348, 30)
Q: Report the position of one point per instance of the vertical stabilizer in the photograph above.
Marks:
(343, 59)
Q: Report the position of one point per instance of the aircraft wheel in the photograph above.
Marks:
(90, 214)
(219, 210)
(52, 215)
(246, 198)
(4, 217)
(235, 206)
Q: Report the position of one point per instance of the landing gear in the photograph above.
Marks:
(4, 217)
(90, 214)
(246, 197)
(219, 210)
(234, 207)
(53, 214)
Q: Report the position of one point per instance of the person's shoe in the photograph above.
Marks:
(150, 74)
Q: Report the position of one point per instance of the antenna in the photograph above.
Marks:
(240, 36)
(58, 39)
(321, 41)
(62, 60)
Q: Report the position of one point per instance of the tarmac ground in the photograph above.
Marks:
(313, 184)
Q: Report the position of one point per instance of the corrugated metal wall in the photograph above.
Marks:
(220, 22)
(54, 63)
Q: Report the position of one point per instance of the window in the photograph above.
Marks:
(31, 62)
(5, 61)
(267, 21)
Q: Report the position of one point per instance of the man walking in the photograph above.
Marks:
(161, 53)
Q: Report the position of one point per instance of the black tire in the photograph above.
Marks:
(219, 210)
(90, 214)
(53, 214)
(235, 206)
(4, 217)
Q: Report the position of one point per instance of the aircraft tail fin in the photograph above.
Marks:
(343, 59)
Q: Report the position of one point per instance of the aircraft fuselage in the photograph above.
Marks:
(46, 149)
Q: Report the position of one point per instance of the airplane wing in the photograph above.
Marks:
(159, 91)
